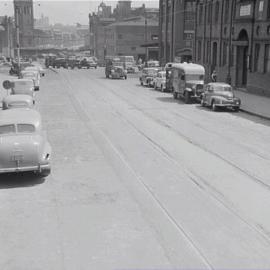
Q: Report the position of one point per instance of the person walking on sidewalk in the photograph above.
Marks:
(214, 76)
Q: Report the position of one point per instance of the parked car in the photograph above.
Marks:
(60, 62)
(17, 101)
(220, 95)
(37, 68)
(147, 76)
(23, 144)
(152, 64)
(118, 72)
(23, 87)
(73, 62)
(160, 81)
(188, 81)
(32, 74)
(88, 63)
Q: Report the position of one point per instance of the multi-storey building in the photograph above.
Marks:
(233, 37)
(126, 37)
(24, 18)
(176, 30)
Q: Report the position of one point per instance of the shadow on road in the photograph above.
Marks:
(20, 180)
(170, 99)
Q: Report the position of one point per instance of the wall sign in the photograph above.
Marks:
(245, 10)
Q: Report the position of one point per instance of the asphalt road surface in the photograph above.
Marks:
(139, 181)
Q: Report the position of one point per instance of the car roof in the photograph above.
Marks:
(22, 80)
(20, 115)
(219, 84)
(190, 68)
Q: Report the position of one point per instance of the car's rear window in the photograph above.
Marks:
(25, 128)
(7, 129)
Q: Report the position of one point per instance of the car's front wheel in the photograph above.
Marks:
(214, 106)
(236, 109)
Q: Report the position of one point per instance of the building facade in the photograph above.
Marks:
(127, 37)
(7, 32)
(176, 30)
(233, 37)
(24, 18)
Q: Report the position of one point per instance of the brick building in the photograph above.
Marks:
(176, 30)
(233, 37)
(127, 37)
(23, 10)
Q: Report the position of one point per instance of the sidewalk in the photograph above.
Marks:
(253, 104)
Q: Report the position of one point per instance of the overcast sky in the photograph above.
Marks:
(67, 11)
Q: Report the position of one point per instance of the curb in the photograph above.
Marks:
(255, 114)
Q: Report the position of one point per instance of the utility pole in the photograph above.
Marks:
(145, 35)
(17, 11)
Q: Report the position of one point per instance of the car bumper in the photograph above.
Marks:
(38, 168)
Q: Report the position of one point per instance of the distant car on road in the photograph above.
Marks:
(220, 95)
(147, 76)
(160, 81)
(60, 62)
(23, 144)
(87, 63)
(118, 72)
(36, 68)
(17, 101)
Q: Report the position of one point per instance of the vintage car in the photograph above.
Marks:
(17, 101)
(23, 87)
(118, 72)
(32, 74)
(148, 75)
(160, 81)
(60, 62)
(220, 95)
(37, 68)
(187, 81)
(23, 144)
(152, 64)
(87, 63)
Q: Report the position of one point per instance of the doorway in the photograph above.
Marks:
(241, 71)
(242, 59)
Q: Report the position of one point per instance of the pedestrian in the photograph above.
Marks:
(214, 76)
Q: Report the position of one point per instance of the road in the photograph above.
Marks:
(139, 181)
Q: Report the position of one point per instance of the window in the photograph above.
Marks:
(268, 10)
(225, 51)
(7, 129)
(200, 14)
(199, 50)
(256, 56)
(209, 19)
(267, 59)
(227, 7)
(216, 11)
(25, 128)
(208, 56)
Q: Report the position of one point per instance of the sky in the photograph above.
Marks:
(67, 11)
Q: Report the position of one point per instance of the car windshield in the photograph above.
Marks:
(194, 77)
(152, 71)
(25, 128)
(219, 88)
(7, 129)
